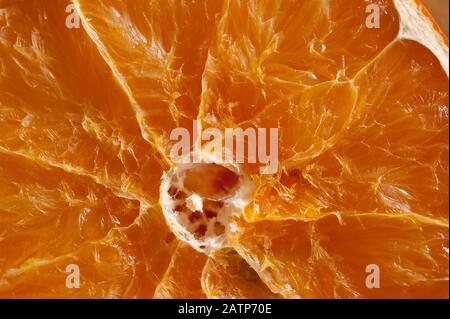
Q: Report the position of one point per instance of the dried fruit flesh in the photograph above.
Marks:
(85, 121)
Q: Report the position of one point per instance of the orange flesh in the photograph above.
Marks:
(85, 120)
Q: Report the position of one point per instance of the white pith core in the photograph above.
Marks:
(198, 199)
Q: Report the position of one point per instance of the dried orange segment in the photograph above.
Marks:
(287, 64)
(46, 213)
(51, 219)
(291, 197)
(60, 104)
(394, 157)
(147, 246)
(333, 257)
(182, 277)
(94, 262)
(157, 54)
(127, 263)
(227, 275)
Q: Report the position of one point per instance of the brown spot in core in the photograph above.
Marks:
(176, 193)
(195, 216)
(172, 191)
(179, 195)
(180, 208)
(210, 214)
(212, 204)
(201, 231)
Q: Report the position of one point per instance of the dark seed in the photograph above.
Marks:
(179, 195)
(172, 191)
(210, 214)
(201, 230)
(180, 208)
(195, 216)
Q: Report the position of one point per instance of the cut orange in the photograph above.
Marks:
(93, 205)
